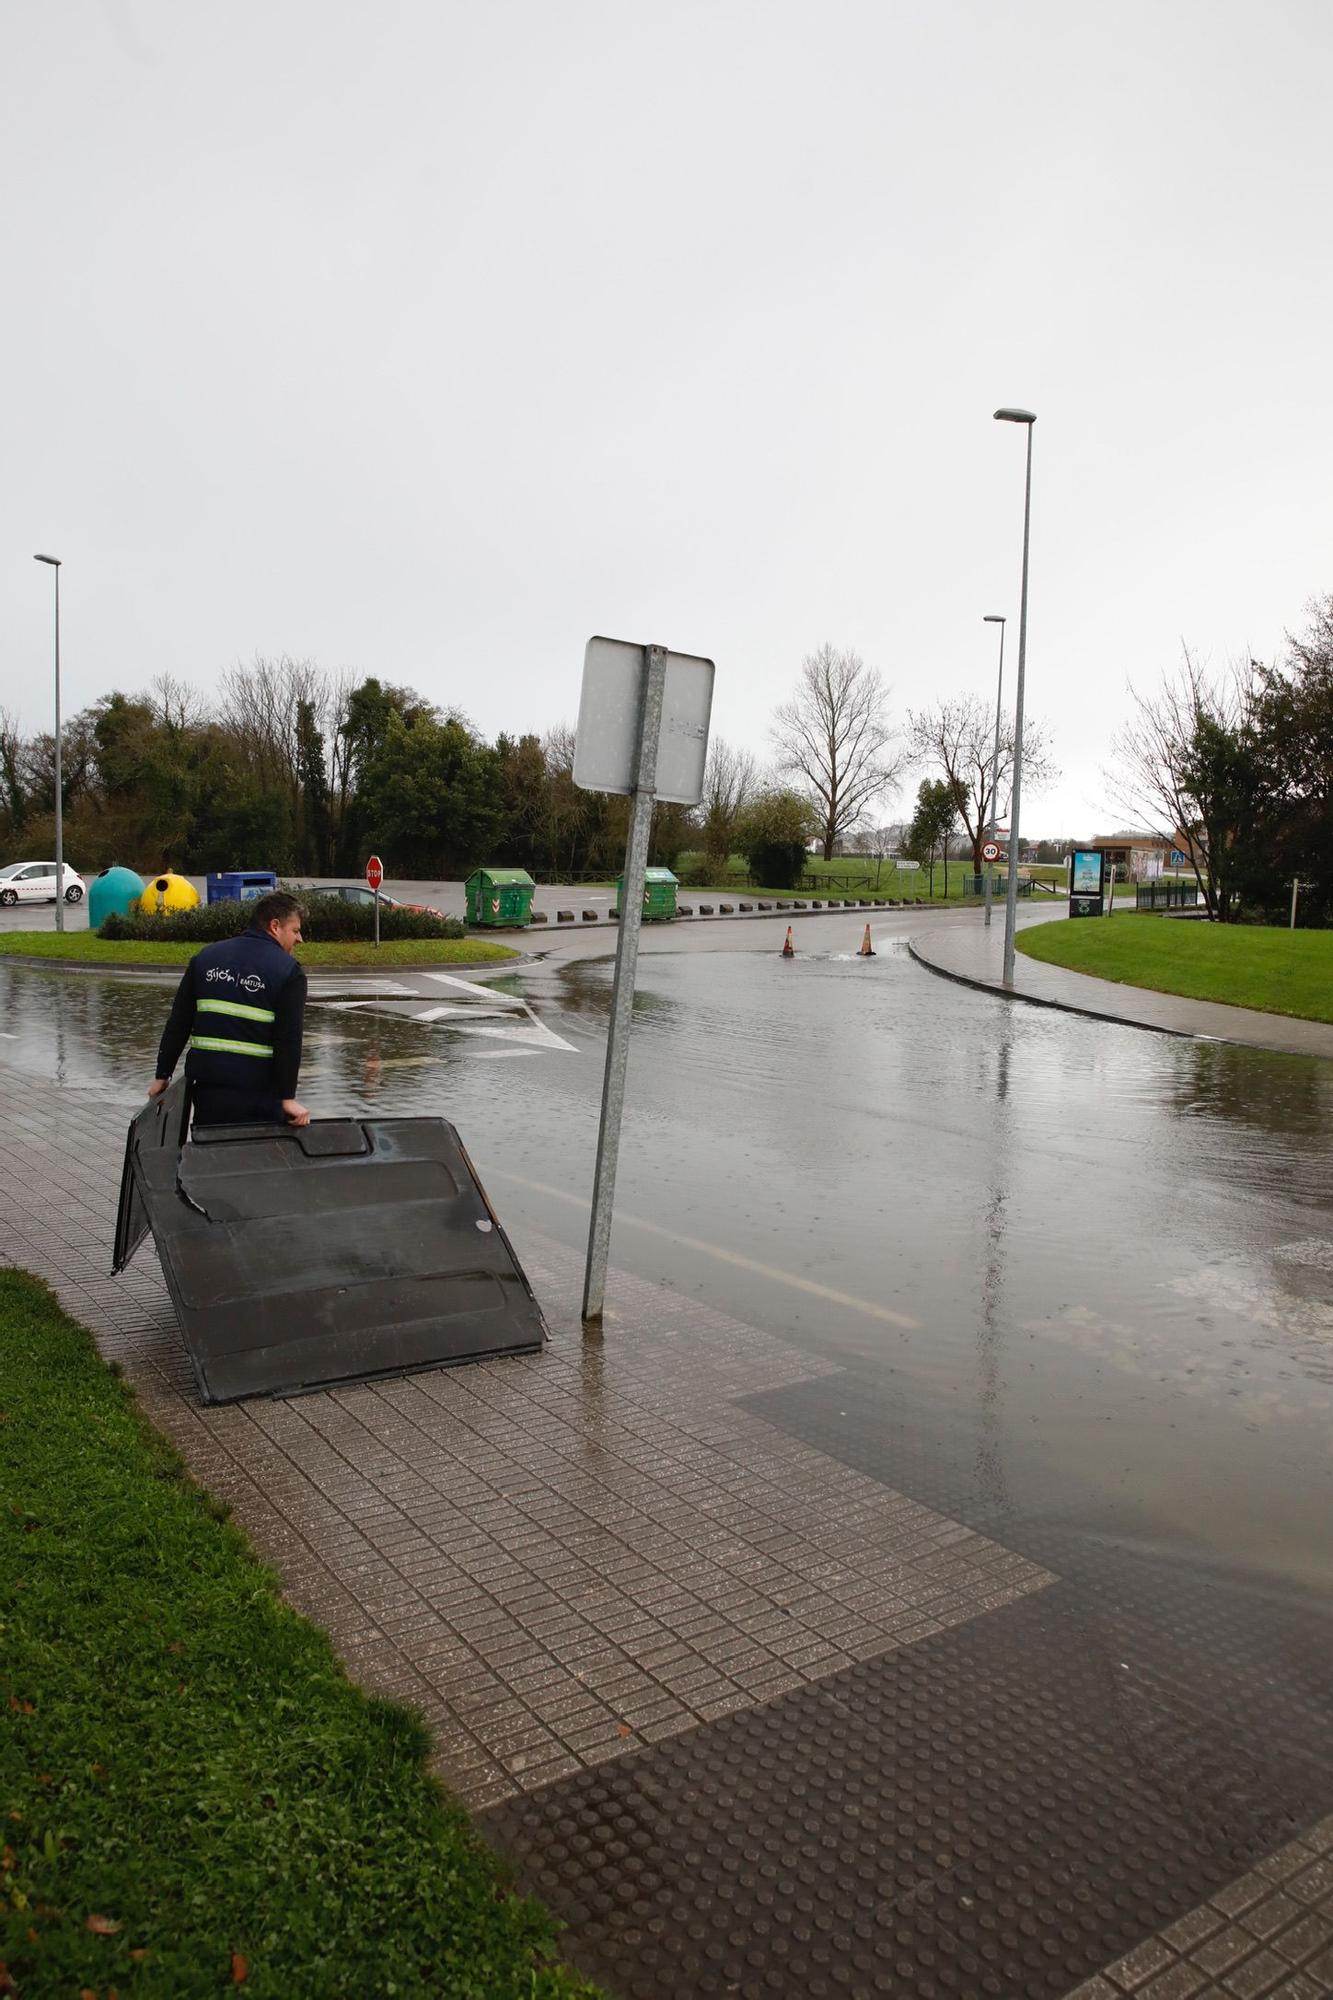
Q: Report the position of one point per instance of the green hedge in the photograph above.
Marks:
(328, 920)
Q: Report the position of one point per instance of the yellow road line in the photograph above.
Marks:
(722, 1255)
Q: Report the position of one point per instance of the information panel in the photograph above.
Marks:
(1087, 882)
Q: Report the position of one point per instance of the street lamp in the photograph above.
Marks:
(54, 561)
(994, 618)
(1028, 417)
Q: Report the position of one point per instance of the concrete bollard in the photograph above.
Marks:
(590, 916)
(765, 906)
(705, 909)
(684, 909)
(539, 916)
(564, 916)
(726, 909)
(746, 908)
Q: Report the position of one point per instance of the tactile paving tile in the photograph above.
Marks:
(967, 1817)
(557, 1559)
(1066, 1789)
(1268, 1934)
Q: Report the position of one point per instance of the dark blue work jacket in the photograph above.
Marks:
(240, 1007)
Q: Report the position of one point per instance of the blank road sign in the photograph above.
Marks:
(609, 706)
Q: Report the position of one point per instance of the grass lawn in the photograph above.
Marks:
(87, 948)
(1245, 965)
(850, 875)
(195, 1796)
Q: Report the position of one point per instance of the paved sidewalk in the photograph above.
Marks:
(752, 1720)
(975, 955)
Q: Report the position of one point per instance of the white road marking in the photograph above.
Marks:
(469, 1019)
(321, 988)
(718, 1250)
(471, 986)
(459, 1013)
(536, 1034)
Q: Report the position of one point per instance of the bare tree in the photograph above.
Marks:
(1179, 769)
(260, 710)
(833, 737)
(730, 780)
(571, 814)
(957, 739)
(874, 842)
(13, 797)
(175, 704)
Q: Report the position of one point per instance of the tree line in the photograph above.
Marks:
(307, 772)
(1237, 768)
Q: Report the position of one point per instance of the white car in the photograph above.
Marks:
(35, 882)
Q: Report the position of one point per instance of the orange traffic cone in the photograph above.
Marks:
(789, 949)
(867, 949)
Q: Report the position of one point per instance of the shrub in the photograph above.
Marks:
(328, 920)
(773, 833)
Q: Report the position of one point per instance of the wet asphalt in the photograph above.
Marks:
(1081, 1271)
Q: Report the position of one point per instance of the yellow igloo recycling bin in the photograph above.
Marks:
(164, 895)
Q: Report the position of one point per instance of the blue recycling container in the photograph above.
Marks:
(240, 885)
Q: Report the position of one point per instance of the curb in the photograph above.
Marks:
(1100, 1014)
(566, 924)
(125, 968)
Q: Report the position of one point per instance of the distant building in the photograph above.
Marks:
(1141, 857)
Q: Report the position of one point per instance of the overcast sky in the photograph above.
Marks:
(429, 338)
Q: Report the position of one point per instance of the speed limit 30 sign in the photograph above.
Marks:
(990, 852)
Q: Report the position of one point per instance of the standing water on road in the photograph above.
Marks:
(1073, 1271)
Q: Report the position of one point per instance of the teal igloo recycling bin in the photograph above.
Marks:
(111, 894)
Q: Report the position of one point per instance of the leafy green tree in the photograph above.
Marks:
(774, 834)
(431, 795)
(1291, 738)
(524, 782)
(316, 832)
(1186, 768)
(934, 820)
(369, 712)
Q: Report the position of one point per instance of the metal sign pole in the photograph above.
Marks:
(377, 920)
(622, 991)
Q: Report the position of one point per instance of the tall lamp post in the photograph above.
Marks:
(1028, 417)
(54, 561)
(994, 618)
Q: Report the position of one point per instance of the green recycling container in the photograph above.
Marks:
(659, 895)
(501, 897)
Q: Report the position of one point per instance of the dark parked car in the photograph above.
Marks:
(364, 898)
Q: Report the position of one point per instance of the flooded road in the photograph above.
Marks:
(1075, 1272)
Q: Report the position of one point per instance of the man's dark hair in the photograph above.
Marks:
(277, 907)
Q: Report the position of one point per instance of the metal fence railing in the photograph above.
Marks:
(975, 885)
(1165, 895)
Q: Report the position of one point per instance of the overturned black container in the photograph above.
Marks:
(301, 1257)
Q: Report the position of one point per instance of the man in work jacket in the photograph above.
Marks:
(240, 1008)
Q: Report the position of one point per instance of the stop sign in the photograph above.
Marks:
(374, 871)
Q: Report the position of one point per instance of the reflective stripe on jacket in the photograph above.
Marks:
(239, 1011)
